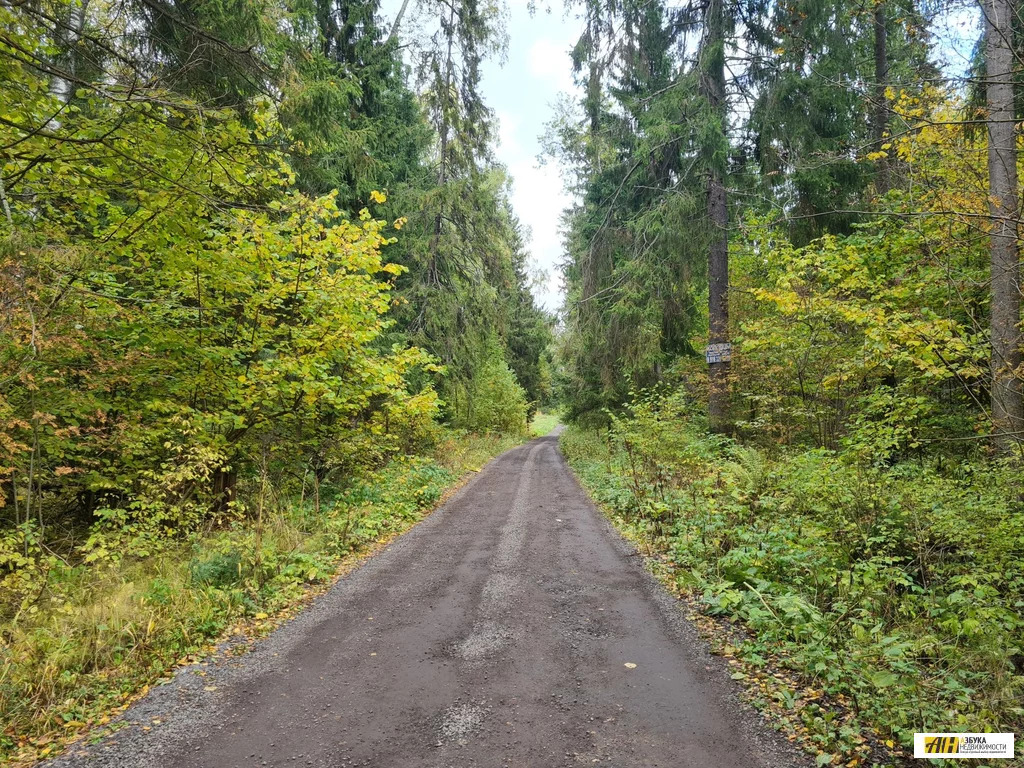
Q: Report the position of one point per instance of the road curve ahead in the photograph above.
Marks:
(502, 631)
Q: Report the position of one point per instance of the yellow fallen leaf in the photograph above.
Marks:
(629, 665)
(261, 615)
(209, 687)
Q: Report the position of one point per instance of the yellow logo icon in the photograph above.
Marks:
(949, 745)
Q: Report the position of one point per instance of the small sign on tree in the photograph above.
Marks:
(718, 353)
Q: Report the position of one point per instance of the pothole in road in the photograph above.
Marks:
(460, 721)
(486, 640)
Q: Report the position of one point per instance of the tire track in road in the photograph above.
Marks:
(501, 590)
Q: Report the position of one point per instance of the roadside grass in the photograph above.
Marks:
(859, 604)
(543, 423)
(97, 636)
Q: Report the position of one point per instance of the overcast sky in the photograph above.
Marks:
(522, 92)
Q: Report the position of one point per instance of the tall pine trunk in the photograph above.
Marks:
(443, 130)
(718, 214)
(68, 36)
(1007, 406)
(880, 109)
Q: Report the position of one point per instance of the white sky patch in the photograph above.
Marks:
(522, 93)
(550, 61)
(955, 34)
(538, 200)
(509, 126)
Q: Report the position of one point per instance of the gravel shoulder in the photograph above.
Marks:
(511, 628)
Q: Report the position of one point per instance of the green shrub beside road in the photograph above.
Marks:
(896, 591)
(86, 638)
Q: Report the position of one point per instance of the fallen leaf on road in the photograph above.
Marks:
(629, 665)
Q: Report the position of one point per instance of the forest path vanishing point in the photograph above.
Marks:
(500, 631)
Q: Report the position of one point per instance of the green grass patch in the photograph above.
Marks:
(543, 423)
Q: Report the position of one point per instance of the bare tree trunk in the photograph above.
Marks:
(1007, 405)
(398, 21)
(3, 200)
(60, 87)
(719, 353)
(442, 172)
(880, 109)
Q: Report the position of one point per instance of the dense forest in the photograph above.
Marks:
(259, 277)
(792, 343)
(265, 298)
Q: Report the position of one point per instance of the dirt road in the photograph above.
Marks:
(500, 632)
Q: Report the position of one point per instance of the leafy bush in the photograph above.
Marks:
(900, 590)
(78, 640)
(498, 403)
(218, 570)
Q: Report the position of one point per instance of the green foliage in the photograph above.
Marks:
(218, 361)
(496, 402)
(543, 423)
(636, 239)
(899, 590)
(855, 341)
(179, 317)
(91, 635)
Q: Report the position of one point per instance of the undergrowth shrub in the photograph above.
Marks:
(899, 591)
(80, 638)
(497, 402)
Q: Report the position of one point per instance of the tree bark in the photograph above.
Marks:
(398, 21)
(60, 87)
(225, 482)
(1007, 405)
(443, 130)
(718, 215)
(880, 109)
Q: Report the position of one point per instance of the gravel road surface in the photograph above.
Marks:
(510, 629)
